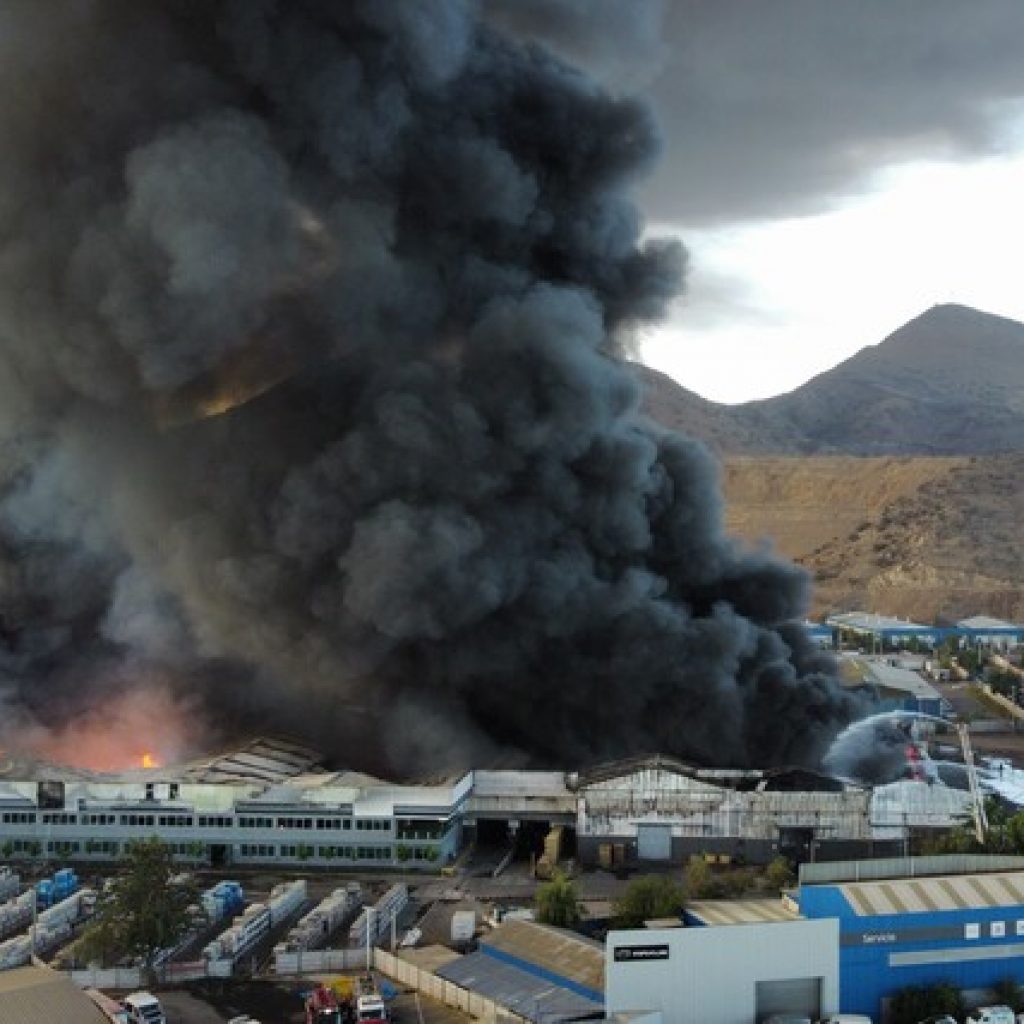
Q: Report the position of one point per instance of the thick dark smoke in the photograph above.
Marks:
(310, 406)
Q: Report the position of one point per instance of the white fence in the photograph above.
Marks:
(127, 978)
(111, 977)
(319, 961)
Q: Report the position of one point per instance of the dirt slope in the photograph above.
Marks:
(919, 537)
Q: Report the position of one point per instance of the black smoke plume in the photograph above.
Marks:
(310, 404)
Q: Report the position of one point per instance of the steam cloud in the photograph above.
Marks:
(394, 248)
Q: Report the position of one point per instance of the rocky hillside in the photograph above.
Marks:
(949, 382)
(918, 537)
(930, 524)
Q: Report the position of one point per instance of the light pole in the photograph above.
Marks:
(369, 938)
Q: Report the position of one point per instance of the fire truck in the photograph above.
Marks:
(322, 1007)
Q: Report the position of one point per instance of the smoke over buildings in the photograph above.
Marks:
(310, 407)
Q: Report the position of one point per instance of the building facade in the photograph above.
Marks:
(215, 815)
(724, 975)
(965, 929)
(658, 809)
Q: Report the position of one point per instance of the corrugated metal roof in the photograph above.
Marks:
(529, 995)
(429, 958)
(29, 995)
(986, 622)
(928, 895)
(573, 957)
(722, 912)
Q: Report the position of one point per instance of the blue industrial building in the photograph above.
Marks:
(963, 927)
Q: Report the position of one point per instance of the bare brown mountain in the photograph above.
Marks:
(930, 525)
(949, 382)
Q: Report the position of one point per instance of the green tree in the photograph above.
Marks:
(915, 1003)
(1008, 992)
(779, 874)
(142, 912)
(558, 902)
(648, 897)
(699, 880)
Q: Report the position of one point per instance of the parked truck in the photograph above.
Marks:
(323, 1007)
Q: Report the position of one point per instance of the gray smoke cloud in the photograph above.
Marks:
(776, 108)
(311, 404)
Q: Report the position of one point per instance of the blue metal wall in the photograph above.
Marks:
(870, 948)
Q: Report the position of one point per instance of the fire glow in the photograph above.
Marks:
(106, 738)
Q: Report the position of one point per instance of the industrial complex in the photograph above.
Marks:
(864, 921)
(269, 802)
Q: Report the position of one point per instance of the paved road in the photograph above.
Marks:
(184, 1008)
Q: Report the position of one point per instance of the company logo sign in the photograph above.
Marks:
(630, 953)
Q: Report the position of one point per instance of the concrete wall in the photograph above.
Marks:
(710, 975)
(749, 851)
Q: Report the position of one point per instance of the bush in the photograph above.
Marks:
(647, 897)
(698, 879)
(1008, 993)
(915, 1003)
(557, 902)
(779, 874)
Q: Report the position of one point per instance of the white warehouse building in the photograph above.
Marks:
(732, 974)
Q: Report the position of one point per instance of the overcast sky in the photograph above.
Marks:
(834, 168)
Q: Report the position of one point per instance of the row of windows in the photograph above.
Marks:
(330, 852)
(137, 819)
(63, 846)
(406, 829)
(257, 850)
(412, 828)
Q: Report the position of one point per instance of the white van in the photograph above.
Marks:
(144, 1008)
(992, 1015)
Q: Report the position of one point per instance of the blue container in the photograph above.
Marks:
(44, 892)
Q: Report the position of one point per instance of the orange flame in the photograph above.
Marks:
(149, 761)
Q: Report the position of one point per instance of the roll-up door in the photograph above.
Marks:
(798, 996)
(654, 842)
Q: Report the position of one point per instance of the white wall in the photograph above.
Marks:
(711, 973)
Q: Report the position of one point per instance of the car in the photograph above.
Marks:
(942, 1018)
(992, 1015)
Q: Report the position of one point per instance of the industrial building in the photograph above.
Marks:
(883, 629)
(879, 631)
(852, 936)
(265, 802)
(894, 684)
(995, 633)
(270, 802)
(721, 974)
(659, 809)
(539, 973)
(919, 921)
